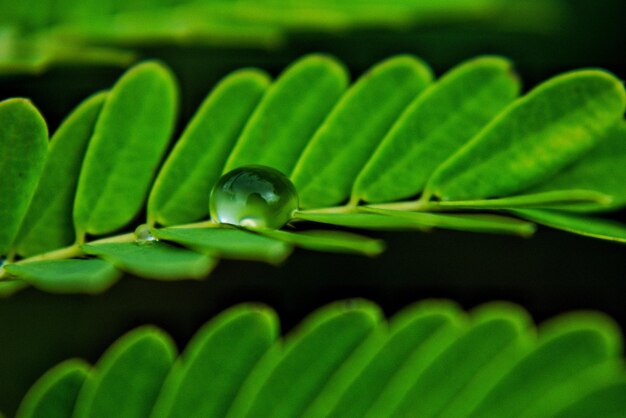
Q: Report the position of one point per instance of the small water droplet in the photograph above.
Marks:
(143, 235)
(2, 261)
(254, 196)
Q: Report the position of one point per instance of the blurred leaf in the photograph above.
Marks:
(24, 143)
(129, 140)
(128, 377)
(153, 259)
(435, 125)
(310, 356)
(492, 332)
(609, 402)
(476, 223)
(357, 384)
(343, 360)
(535, 137)
(567, 347)
(344, 142)
(293, 108)
(602, 169)
(182, 188)
(225, 349)
(54, 394)
(67, 276)
(576, 224)
(228, 243)
(330, 241)
(48, 224)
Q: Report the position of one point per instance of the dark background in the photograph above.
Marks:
(548, 274)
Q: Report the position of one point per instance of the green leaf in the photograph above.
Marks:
(225, 350)
(538, 135)
(435, 125)
(289, 114)
(476, 223)
(359, 220)
(603, 169)
(413, 364)
(54, 394)
(24, 141)
(181, 190)
(533, 200)
(576, 224)
(569, 346)
(67, 276)
(344, 142)
(228, 243)
(608, 402)
(154, 260)
(129, 140)
(494, 329)
(358, 384)
(48, 224)
(330, 241)
(127, 378)
(10, 287)
(310, 357)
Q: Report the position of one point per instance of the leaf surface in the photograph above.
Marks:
(608, 402)
(54, 394)
(345, 141)
(330, 241)
(476, 223)
(228, 243)
(535, 137)
(24, 143)
(435, 125)
(289, 114)
(67, 276)
(48, 224)
(126, 380)
(215, 363)
(182, 188)
(130, 137)
(576, 224)
(153, 259)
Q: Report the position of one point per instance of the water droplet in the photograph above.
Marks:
(254, 196)
(143, 234)
(2, 261)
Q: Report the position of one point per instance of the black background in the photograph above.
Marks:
(548, 274)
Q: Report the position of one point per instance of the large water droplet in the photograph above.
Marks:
(255, 196)
(143, 235)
